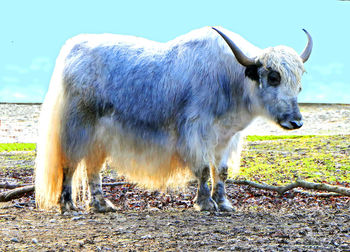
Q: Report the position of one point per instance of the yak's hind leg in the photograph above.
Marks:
(93, 164)
(203, 200)
(66, 202)
(98, 203)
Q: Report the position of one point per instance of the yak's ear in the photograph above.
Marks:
(252, 72)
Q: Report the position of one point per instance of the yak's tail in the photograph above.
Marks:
(50, 158)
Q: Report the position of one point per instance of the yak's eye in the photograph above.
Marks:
(274, 78)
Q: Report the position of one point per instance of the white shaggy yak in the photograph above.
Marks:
(159, 111)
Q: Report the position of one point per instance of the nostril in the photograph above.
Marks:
(296, 124)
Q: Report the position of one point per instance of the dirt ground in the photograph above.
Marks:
(154, 221)
(166, 221)
(268, 227)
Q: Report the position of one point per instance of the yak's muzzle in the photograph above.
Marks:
(291, 125)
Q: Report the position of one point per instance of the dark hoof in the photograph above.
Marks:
(101, 205)
(225, 206)
(219, 196)
(206, 205)
(67, 206)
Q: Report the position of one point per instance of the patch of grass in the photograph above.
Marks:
(265, 138)
(268, 159)
(281, 160)
(17, 147)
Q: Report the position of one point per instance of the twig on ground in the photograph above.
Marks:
(335, 190)
(16, 193)
(299, 183)
(7, 185)
(117, 184)
(317, 194)
(18, 190)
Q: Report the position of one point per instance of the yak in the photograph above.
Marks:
(158, 112)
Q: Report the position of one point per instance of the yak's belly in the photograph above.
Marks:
(154, 164)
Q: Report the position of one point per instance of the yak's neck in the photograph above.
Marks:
(245, 92)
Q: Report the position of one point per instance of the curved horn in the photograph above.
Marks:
(240, 56)
(307, 51)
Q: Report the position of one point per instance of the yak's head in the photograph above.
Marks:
(277, 72)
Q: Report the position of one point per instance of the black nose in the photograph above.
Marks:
(296, 124)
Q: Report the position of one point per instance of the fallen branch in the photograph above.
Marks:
(6, 185)
(117, 184)
(20, 190)
(299, 183)
(16, 193)
(335, 190)
(316, 194)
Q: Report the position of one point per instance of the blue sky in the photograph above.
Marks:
(32, 33)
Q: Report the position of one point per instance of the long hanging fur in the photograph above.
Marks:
(50, 158)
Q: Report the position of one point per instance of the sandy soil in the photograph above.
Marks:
(276, 226)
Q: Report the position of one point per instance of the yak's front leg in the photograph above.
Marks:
(66, 202)
(219, 171)
(219, 176)
(203, 200)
